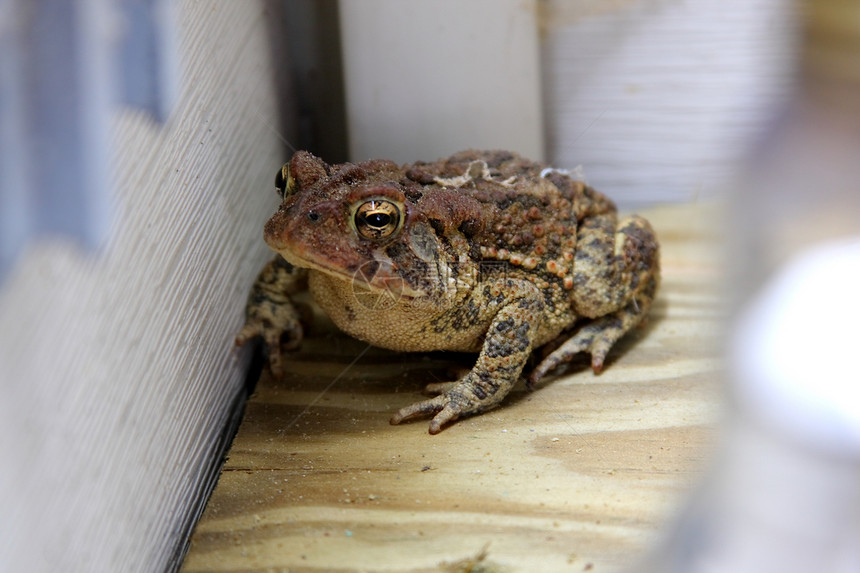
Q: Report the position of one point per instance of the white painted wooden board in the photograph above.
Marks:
(117, 368)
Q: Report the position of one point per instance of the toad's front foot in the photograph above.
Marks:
(270, 314)
(280, 329)
(448, 406)
(469, 396)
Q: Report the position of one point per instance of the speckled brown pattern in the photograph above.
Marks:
(484, 251)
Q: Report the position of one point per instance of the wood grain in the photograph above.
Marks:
(580, 474)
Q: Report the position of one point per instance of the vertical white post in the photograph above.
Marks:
(425, 78)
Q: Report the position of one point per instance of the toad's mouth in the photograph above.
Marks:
(379, 277)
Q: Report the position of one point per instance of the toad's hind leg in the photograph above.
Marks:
(616, 275)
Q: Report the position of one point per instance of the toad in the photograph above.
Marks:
(484, 252)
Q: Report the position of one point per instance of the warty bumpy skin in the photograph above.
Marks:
(483, 251)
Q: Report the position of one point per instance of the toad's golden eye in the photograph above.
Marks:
(284, 183)
(377, 218)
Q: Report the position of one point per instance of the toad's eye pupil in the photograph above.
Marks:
(378, 220)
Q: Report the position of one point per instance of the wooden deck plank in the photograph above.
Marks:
(578, 475)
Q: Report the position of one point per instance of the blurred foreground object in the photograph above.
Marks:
(784, 496)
